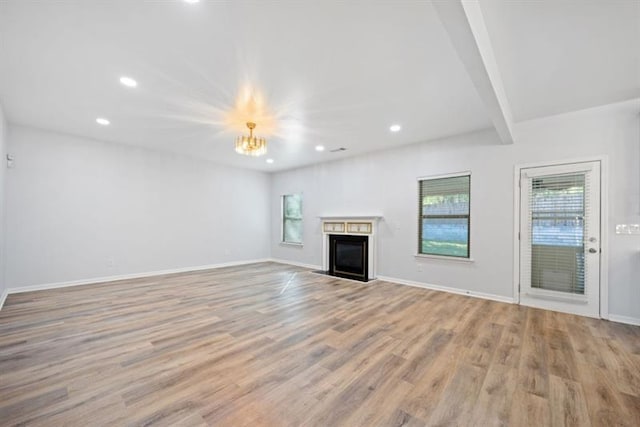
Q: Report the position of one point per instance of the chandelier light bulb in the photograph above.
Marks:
(251, 145)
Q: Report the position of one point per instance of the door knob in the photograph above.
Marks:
(593, 250)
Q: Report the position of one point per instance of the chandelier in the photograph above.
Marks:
(251, 145)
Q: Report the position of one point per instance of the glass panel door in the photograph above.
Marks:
(559, 238)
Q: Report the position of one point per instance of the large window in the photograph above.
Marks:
(444, 216)
(292, 218)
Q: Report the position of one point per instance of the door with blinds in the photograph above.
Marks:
(560, 238)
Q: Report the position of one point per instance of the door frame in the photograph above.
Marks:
(604, 221)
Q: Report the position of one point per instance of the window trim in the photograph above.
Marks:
(419, 253)
(445, 257)
(282, 220)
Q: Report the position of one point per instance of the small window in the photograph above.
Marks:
(292, 218)
(444, 227)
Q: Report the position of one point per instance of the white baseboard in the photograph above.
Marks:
(96, 280)
(624, 319)
(482, 295)
(3, 297)
(457, 291)
(297, 264)
(612, 317)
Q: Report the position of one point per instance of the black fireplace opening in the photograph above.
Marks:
(349, 256)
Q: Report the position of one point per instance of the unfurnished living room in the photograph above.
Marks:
(320, 213)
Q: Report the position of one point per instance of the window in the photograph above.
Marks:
(444, 216)
(292, 218)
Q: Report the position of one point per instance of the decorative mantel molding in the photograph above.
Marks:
(348, 217)
(351, 225)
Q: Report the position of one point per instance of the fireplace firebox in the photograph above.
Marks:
(349, 256)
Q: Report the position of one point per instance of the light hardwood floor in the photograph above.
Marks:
(275, 345)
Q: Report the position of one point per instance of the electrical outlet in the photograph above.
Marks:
(634, 228)
(419, 266)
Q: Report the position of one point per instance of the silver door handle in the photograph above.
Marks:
(593, 251)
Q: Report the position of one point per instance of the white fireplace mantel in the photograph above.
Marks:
(350, 217)
(356, 225)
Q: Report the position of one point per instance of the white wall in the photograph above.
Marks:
(82, 209)
(3, 170)
(385, 183)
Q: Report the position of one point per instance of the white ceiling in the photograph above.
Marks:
(565, 55)
(330, 72)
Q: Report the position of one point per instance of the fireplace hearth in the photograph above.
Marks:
(349, 256)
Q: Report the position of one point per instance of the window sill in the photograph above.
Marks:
(299, 245)
(448, 258)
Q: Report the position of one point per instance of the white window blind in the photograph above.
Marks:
(444, 206)
(556, 229)
(292, 218)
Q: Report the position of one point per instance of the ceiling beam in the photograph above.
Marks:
(465, 25)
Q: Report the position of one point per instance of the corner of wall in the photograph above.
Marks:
(3, 173)
(270, 216)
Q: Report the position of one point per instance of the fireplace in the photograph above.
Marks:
(349, 246)
(349, 256)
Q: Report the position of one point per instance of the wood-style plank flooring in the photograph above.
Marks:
(275, 345)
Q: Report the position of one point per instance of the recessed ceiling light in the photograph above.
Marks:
(319, 147)
(102, 121)
(128, 81)
(395, 128)
(269, 160)
(191, 1)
